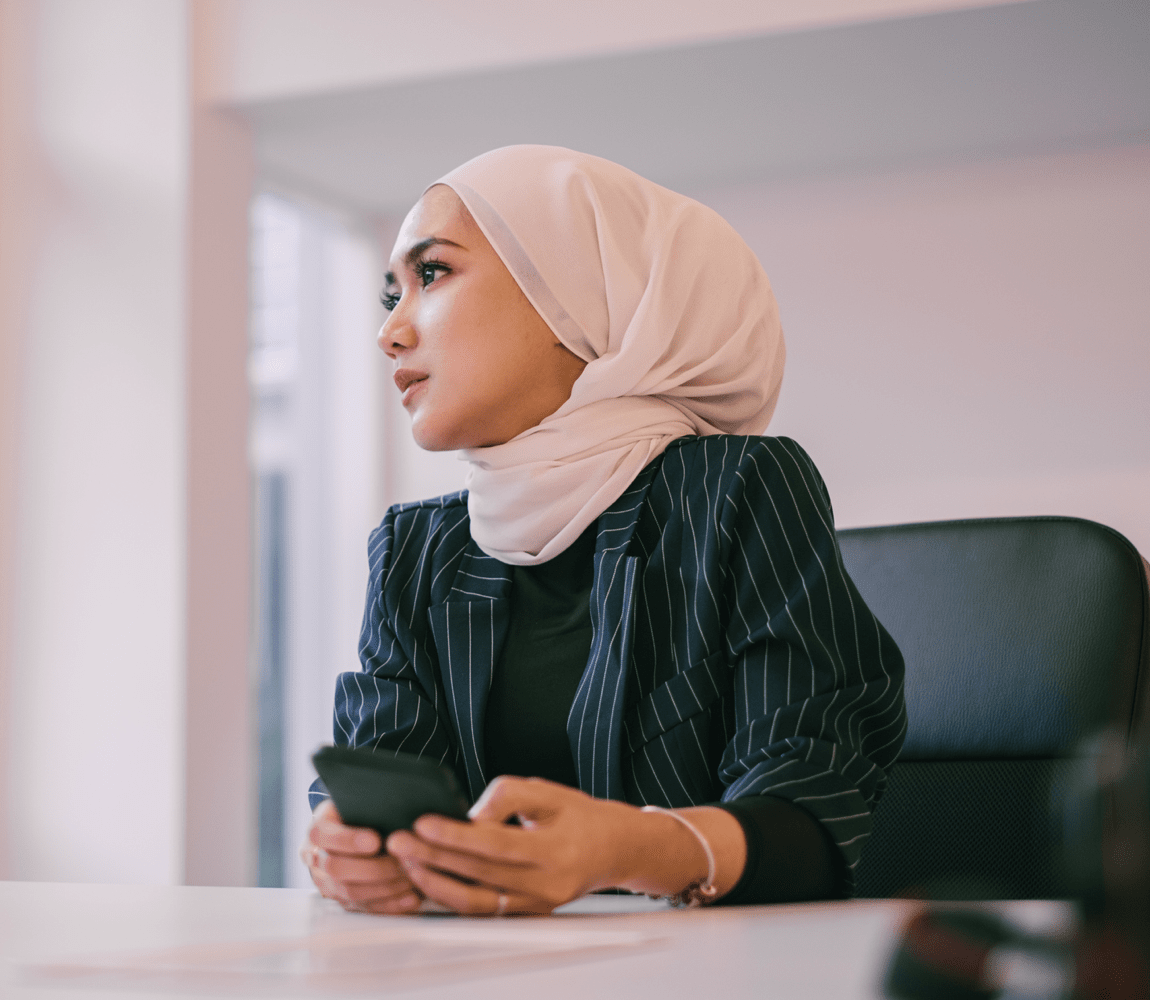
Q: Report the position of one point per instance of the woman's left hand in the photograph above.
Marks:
(566, 845)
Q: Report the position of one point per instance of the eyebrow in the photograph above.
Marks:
(412, 256)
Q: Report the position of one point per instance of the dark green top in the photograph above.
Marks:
(548, 642)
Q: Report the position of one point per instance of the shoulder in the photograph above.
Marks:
(724, 488)
(734, 466)
(725, 450)
(424, 514)
(419, 531)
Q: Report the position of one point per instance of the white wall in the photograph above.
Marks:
(94, 711)
(967, 340)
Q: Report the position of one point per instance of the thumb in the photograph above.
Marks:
(529, 799)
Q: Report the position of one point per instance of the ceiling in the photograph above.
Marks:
(260, 50)
(1039, 76)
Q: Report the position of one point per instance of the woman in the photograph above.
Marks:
(633, 604)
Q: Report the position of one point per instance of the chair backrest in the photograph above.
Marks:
(1021, 637)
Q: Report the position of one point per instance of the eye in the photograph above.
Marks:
(428, 270)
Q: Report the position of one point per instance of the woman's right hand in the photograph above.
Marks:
(345, 865)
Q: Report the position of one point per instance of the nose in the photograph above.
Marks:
(396, 335)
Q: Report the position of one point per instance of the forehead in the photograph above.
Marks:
(441, 213)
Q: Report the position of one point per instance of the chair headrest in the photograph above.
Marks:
(1021, 635)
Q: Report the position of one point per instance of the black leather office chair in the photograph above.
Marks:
(1021, 637)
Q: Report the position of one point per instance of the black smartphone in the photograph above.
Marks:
(385, 790)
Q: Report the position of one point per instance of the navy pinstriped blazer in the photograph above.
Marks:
(731, 653)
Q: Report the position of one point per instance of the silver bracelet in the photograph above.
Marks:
(703, 890)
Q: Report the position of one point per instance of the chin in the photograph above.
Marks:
(436, 439)
(431, 438)
(431, 443)
(437, 446)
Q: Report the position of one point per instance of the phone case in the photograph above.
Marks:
(387, 791)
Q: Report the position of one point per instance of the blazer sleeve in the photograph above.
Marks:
(388, 704)
(817, 695)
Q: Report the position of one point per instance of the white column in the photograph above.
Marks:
(95, 766)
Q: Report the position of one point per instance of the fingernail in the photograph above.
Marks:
(364, 842)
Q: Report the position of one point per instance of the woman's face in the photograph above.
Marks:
(475, 362)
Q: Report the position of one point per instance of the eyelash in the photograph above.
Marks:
(390, 301)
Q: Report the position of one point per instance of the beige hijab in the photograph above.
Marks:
(668, 306)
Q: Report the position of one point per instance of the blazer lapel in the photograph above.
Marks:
(469, 629)
(595, 721)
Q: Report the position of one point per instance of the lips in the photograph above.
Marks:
(405, 378)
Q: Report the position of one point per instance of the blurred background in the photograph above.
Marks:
(197, 432)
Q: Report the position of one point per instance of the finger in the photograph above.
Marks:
(358, 893)
(373, 901)
(484, 838)
(326, 811)
(329, 833)
(362, 871)
(354, 870)
(477, 901)
(491, 841)
(409, 902)
(309, 854)
(469, 867)
(371, 893)
(346, 868)
(342, 839)
(328, 887)
(535, 798)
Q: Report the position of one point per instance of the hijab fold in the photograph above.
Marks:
(668, 306)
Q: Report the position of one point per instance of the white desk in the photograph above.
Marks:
(64, 942)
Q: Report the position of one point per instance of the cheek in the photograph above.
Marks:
(470, 354)
(451, 331)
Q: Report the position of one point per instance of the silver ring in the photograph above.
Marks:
(502, 907)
